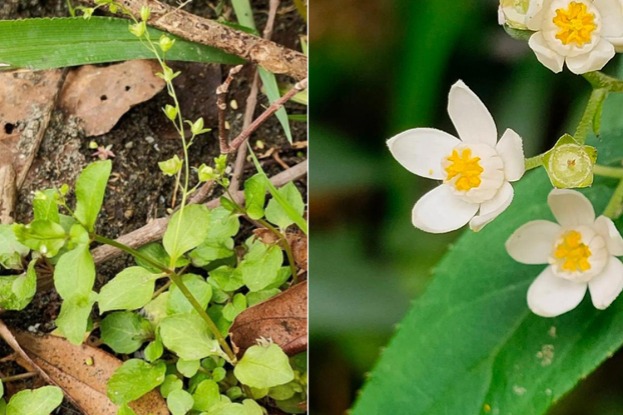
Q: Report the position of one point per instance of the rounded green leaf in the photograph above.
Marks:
(134, 379)
(179, 402)
(206, 395)
(74, 274)
(188, 336)
(264, 366)
(260, 267)
(187, 229)
(124, 331)
(280, 215)
(40, 401)
(132, 288)
(90, 189)
(177, 303)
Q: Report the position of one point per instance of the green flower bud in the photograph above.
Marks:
(145, 13)
(166, 43)
(138, 29)
(167, 74)
(206, 173)
(171, 166)
(220, 163)
(170, 111)
(570, 164)
(197, 127)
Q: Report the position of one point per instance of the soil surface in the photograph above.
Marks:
(137, 191)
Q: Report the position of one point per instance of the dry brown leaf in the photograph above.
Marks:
(99, 96)
(81, 371)
(298, 242)
(283, 318)
(26, 101)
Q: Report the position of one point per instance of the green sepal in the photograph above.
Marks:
(569, 164)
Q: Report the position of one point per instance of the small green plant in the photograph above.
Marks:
(179, 300)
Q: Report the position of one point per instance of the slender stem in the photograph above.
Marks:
(592, 107)
(285, 245)
(613, 210)
(606, 171)
(534, 162)
(177, 280)
(600, 80)
(21, 376)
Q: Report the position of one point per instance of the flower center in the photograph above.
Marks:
(465, 168)
(575, 24)
(571, 254)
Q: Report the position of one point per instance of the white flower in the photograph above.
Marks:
(582, 33)
(581, 252)
(475, 170)
(514, 13)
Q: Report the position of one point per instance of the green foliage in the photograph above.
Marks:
(131, 289)
(275, 212)
(61, 42)
(125, 332)
(11, 250)
(206, 395)
(17, 291)
(90, 188)
(218, 242)
(134, 379)
(45, 205)
(187, 229)
(260, 266)
(255, 196)
(43, 236)
(177, 303)
(188, 336)
(40, 401)
(264, 366)
(179, 402)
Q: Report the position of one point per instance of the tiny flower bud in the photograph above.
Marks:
(206, 173)
(93, 145)
(166, 43)
(220, 163)
(170, 111)
(113, 8)
(145, 13)
(197, 127)
(513, 13)
(138, 29)
(171, 166)
(570, 164)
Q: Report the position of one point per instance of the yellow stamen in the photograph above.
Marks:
(466, 168)
(575, 24)
(572, 254)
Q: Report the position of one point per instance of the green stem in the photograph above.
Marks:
(592, 107)
(600, 80)
(613, 210)
(534, 162)
(605, 171)
(177, 280)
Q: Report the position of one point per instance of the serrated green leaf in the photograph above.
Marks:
(43, 236)
(260, 267)
(90, 189)
(74, 274)
(124, 331)
(206, 395)
(45, 205)
(188, 336)
(179, 402)
(61, 42)
(177, 303)
(134, 379)
(40, 401)
(508, 360)
(132, 288)
(187, 229)
(276, 214)
(11, 250)
(255, 196)
(73, 319)
(264, 367)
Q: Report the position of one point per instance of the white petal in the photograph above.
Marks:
(510, 149)
(490, 209)
(421, 150)
(532, 243)
(605, 227)
(535, 14)
(571, 208)
(551, 296)
(617, 43)
(607, 286)
(470, 117)
(611, 13)
(596, 59)
(550, 59)
(440, 210)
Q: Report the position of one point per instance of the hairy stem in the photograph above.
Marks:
(613, 210)
(592, 107)
(606, 171)
(534, 162)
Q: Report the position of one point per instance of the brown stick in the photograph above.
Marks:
(7, 193)
(236, 142)
(221, 106)
(275, 58)
(154, 230)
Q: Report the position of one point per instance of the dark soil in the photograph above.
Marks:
(137, 191)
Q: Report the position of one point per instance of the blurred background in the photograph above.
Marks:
(378, 67)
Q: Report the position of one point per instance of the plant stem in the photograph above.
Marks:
(606, 171)
(534, 162)
(600, 80)
(177, 280)
(613, 210)
(285, 245)
(592, 107)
